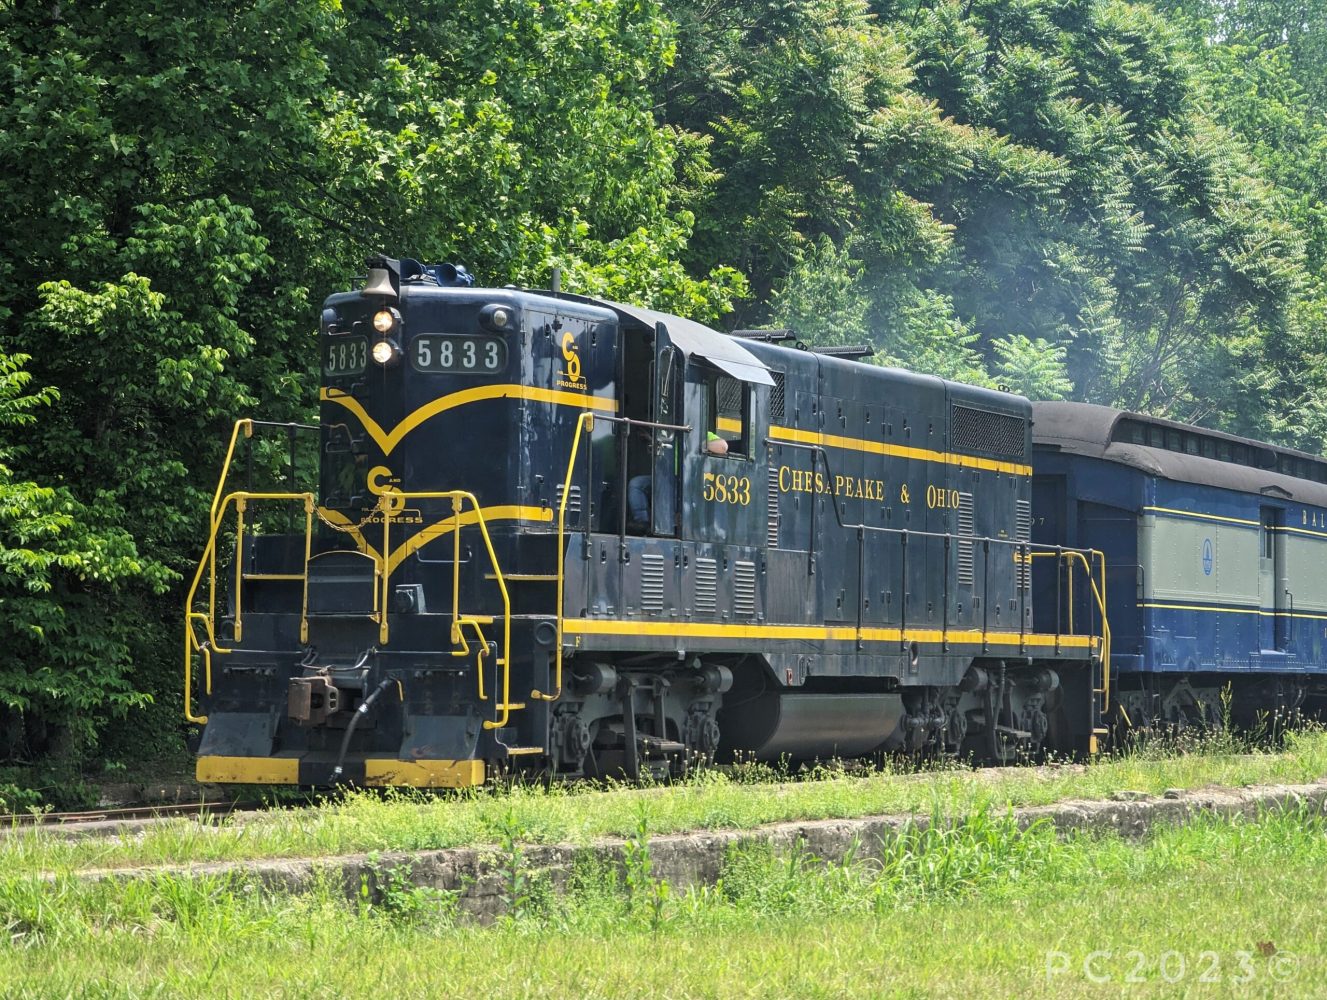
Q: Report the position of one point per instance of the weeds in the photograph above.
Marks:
(964, 904)
(644, 892)
(517, 885)
(390, 891)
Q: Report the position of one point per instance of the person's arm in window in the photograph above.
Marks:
(714, 444)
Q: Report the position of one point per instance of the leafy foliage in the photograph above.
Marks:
(54, 552)
(951, 178)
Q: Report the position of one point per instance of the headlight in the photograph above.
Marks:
(384, 350)
(383, 321)
(500, 316)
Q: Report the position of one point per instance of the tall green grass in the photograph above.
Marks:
(970, 906)
(404, 820)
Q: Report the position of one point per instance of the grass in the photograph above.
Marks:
(749, 797)
(1214, 908)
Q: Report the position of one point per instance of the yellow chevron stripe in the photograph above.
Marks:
(507, 512)
(716, 630)
(388, 440)
(504, 512)
(896, 450)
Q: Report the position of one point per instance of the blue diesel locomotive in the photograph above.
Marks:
(837, 558)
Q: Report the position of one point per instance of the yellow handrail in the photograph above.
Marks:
(459, 499)
(1099, 595)
(245, 425)
(240, 499)
(585, 423)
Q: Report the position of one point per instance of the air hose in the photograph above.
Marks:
(360, 712)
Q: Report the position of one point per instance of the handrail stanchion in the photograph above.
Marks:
(308, 554)
(239, 567)
(385, 569)
(586, 422)
(456, 572)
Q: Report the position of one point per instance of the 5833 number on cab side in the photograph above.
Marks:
(727, 489)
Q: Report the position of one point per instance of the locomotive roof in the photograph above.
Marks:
(1127, 438)
(699, 340)
(753, 360)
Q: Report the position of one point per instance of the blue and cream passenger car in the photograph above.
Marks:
(1216, 548)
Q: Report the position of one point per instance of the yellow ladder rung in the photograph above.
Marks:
(477, 619)
(513, 704)
(273, 576)
(523, 751)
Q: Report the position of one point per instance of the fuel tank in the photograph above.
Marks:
(802, 726)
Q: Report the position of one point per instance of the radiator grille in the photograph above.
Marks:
(744, 588)
(707, 576)
(772, 508)
(966, 529)
(971, 429)
(776, 397)
(1023, 533)
(651, 582)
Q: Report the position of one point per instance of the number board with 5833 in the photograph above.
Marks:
(433, 352)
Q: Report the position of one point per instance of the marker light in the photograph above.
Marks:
(496, 317)
(383, 320)
(383, 351)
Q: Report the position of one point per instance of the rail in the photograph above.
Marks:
(389, 505)
(221, 501)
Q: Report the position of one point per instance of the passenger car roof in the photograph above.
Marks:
(1091, 430)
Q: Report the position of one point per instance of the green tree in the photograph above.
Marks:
(822, 148)
(1263, 63)
(55, 554)
(1035, 368)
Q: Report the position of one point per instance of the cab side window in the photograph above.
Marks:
(728, 416)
